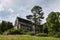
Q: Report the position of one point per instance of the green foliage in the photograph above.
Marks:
(52, 24)
(14, 31)
(42, 34)
(18, 31)
(40, 28)
(58, 34)
(30, 33)
(29, 16)
(53, 18)
(0, 33)
(54, 34)
(36, 8)
(5, 26)
(45, 28)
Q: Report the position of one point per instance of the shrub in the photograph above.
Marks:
(0, 33)
(42, 34)
(18, 31)
(54, 34)
(11, 31)
(30, 33)
(57, 34)
(51, 33)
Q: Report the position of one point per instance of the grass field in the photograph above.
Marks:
(25, 37)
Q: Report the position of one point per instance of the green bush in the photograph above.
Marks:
(51, 33)
(57, 34)
(4, 25)
(22, 31)
(42, 34)
(54, 34)
(14, 31)
(30, 33)
(18, 31)
(11, 31)
(0, 33)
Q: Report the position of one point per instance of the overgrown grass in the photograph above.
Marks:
(25, 37)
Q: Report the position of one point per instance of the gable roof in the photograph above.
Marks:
(24, 20)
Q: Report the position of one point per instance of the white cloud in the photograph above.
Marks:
(55, 6)
(5, 2)
(1, 7)
(11, 10)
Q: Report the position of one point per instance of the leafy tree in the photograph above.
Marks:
(36, 16)
(53, 20)
(5, 26)
(9, 25)
(45, 28)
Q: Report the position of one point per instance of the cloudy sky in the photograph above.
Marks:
(9, 9)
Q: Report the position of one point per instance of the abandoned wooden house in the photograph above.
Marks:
(21, 23)
(24, 24)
